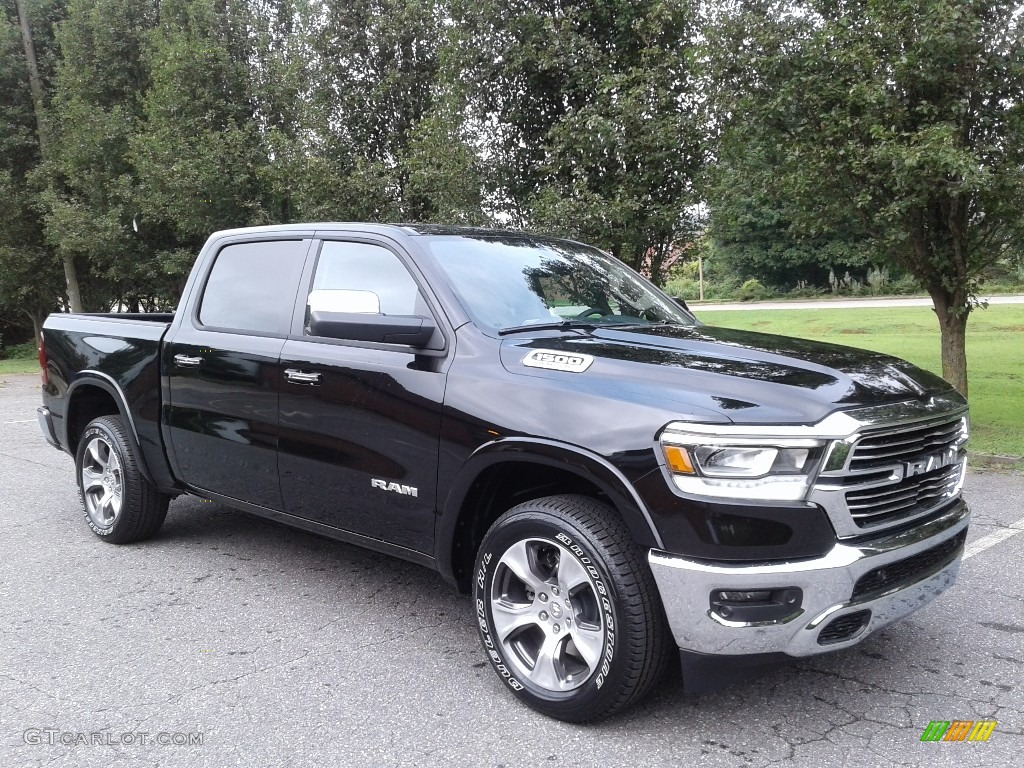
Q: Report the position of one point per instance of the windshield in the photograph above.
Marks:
(513, 283)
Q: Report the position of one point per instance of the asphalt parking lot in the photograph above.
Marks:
(284, 649)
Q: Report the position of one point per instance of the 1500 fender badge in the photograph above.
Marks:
(405, 490)
(554, 360)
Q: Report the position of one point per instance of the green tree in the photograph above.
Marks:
(753, 231)
(97, 109)
(904, 114)
(444, 173)
(199, 154)
(31, 279)
(596, 117)
(444, 179)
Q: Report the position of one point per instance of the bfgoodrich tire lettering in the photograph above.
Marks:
(567, 609)
(120, 505)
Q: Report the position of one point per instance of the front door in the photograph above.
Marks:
(360, 421)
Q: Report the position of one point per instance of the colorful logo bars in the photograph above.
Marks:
(958, 730)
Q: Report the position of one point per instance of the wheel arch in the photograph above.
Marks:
(95, 394)
(507, 472)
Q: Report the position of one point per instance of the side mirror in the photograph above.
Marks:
(385, 329)
(681, 302)
(338, 300)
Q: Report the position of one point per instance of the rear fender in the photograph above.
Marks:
(98, 380)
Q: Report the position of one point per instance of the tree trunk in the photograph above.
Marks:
(71, 276)
(35, 83)
(952, 317)
(36, 86)
(37, 319)
(954, 352)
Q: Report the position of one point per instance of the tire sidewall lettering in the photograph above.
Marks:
(112, 441)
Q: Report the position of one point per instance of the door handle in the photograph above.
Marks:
(184, 361)
(302, 377)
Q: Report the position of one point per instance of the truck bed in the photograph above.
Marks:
(116, 353)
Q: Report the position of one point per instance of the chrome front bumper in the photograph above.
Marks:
(827, 584)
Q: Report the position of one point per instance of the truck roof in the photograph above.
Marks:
(357, 226)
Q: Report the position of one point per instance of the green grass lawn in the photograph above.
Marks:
(995, 354)
(20, 365)
(19, 358)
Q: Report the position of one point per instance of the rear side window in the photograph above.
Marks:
(252, 287)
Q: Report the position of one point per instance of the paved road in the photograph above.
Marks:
(841, 303)
(284, 649)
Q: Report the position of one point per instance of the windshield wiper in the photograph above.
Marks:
(552, 326)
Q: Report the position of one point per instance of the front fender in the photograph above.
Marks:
(586, 464)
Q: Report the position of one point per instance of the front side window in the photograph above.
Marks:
(252, 287)
(363, 278)
(506, 283)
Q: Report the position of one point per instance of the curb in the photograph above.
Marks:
(995, 462)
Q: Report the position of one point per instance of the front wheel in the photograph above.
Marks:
(568, 611)
(120, 505)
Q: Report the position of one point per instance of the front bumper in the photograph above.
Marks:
(828, 584)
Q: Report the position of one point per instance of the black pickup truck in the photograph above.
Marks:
(610, 478)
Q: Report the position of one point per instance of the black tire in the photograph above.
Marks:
(119, 504)
(606, 643)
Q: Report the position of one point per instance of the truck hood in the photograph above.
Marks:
(722, 374)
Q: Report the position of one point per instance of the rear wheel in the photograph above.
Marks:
(567, 608)
(120, 505)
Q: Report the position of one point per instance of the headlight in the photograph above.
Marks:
(732, 463)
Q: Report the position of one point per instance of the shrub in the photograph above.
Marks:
(752, 290)
(903, 286)
(25, 351)
(804, 291)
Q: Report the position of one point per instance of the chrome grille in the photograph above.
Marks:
(891, 473)
(904, 498)
(883, 448)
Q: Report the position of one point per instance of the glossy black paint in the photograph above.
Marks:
(221, 418)
(736, 531)
(415, 332)
(375, 414)
(437, 420)
(116, 355)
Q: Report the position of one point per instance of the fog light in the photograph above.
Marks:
(762, 594)
(756, 606)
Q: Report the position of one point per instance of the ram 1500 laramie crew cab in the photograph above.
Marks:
(609, 478)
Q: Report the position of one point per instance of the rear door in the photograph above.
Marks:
(223, 371)
(360, 421)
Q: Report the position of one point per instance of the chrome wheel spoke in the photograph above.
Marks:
(545, 672)
(517, 559)
(91, 479)
(105, 510)
(95, 451)
(589, 644)
(509, 617)
(571, 573)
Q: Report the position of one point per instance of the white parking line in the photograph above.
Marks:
(985, 542)
(21, 421)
